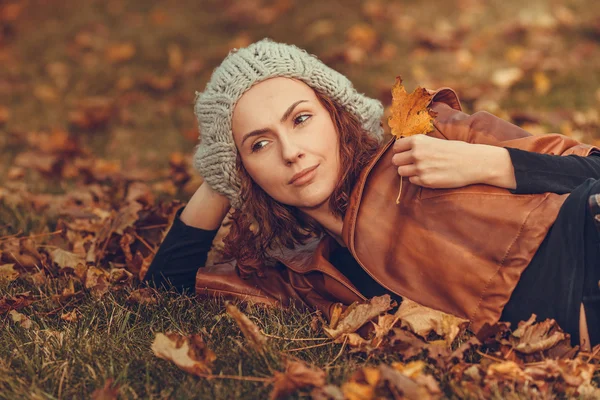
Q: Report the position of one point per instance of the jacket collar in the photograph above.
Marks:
(355, 197)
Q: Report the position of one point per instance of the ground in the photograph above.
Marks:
(96, 110)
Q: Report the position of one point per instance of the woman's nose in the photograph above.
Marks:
(290, 151)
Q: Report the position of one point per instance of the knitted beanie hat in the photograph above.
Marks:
(215, 155)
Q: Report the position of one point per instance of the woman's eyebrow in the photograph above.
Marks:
(285, 116)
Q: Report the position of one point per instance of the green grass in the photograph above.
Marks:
(60, 359)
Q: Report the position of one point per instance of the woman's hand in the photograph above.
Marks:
(440, 163)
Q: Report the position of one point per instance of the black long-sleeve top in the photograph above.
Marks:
(185, 248)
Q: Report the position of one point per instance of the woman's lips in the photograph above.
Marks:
(306, 177)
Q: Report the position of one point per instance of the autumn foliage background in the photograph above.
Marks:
(96, 137)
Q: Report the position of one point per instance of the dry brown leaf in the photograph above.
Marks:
(4, 115)
(96, 280)
(189, 353)
(336, 313)
(120, 52)
(92, 112)
(66, 259)
(67, 294)
(297, 375)
(142, 296)
(20, 319)
(531, 337)
(506, 371)
(410, 380)
(404, 381)
(39, 278)
(175, 55)
(162, 83)
(120, 276)
(16, 302)
(363, 36)
(126, 217)
(422, 320)
(409, 114)
(251, 332)
(107, 392)
(7, 274)
(327, 392)
(358, 391)
(507, 77)
(71, 316)
(358, 315)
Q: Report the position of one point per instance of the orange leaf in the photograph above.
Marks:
(410, 115)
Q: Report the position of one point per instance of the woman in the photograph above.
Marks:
(486, 228)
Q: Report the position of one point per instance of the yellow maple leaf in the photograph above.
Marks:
(409, 114)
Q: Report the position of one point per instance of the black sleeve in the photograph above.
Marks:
(179, 256)
(540, 173)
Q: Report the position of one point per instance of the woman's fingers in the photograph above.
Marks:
(403, 158)
(403, 144)
(407, 170)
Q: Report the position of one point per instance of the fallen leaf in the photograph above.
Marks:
(175, 56)
(410, 380)
(422, 320)
(71, 316)
(20, 319)
(531, 337)
(107, 392)
(96, 280)
(15, 302)
(8, 274)
(142, 296)
(363, 36)
(66, 259)
(251, 332)
(120, 52)
(189, 353)
(67, 294)
(297, 375)
(4, 115)
(507, 77)
(358, 315)
(120, 276)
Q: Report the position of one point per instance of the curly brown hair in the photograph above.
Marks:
(282, 225)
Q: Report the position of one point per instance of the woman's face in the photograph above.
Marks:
(280, 129)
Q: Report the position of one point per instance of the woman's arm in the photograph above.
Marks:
(526, 172)
(539, 173)
(188, 241)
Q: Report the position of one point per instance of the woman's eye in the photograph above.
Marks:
(255, 146)
(302, 121)
(299, 120)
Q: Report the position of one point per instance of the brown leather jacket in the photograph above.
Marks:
(458, 250)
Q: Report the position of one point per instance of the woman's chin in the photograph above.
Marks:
(310, 201)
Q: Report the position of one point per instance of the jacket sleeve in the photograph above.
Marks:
(180, 262)
(279, 287)
(540, 173)
(183, 250)
(485, 128)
